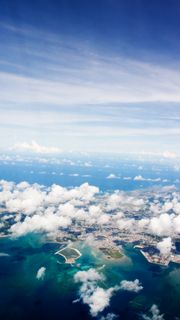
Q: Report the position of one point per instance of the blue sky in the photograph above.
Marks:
(90, 75)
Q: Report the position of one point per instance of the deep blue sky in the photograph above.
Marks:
(122, 24)
(91, 75)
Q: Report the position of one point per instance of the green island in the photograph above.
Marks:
(111, 253)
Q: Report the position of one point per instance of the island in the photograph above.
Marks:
(111, 253)
(69, 254)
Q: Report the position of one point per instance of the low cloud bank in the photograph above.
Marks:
(35, 147)
(29, 208)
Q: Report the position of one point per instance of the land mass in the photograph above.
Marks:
(69, 254)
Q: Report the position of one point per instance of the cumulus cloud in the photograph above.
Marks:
(96, 297)
(91, 294)
(120, 199)
(112, 176)
(133, 286)
(25, 199)
(36, 208)
(127, 178)
(162, 225)
(39, 209)
(140, 178)
(87, 164)
(35, 147)
(90, 275)
(47, 223)
(155, 314)
(165, 246)
(41, 273)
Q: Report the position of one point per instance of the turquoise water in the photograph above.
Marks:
(22, 296)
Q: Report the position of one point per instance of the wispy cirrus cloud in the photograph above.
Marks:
(121, 82)
(71, 72)
(76, 97)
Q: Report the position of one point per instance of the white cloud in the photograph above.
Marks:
(89, 275)
(167, 206)
(133, 286)
(25, 200)
(109, 316)
(35, 147)
(162, 225)
(36, 208)
(120, 199)
(40, 209)
(92, 79)
(112, 176)
(169, 155)
(96, 297)
(103, 219)
(97, 80)
(87, 164)
(165, 246)
(165, 154)
(155, 314)
(41, 273)
(37, 223)
(140, 178)
(74, 174)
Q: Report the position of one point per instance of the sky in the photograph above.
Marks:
(93, 76)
